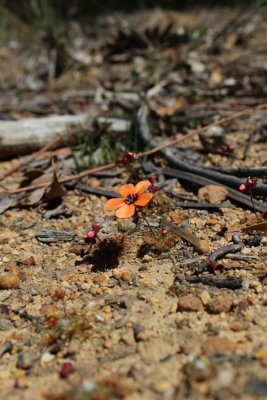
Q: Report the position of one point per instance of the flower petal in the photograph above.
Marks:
(126, 211)
(141, 187)
(143, 199)
(126, 190)
(114, 203)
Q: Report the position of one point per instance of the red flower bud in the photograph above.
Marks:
(151, 178)
(130, 156)
(120, 162)
(242, 187)
(91, 234)
(251, 183)
(164, 232)
(96, 226)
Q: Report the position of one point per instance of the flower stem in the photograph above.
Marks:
(148, 224)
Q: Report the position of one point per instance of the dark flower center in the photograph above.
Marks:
(130, 199)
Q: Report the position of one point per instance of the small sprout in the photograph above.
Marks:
(132, 197)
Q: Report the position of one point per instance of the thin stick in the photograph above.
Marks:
(18, 166)
(145, 153)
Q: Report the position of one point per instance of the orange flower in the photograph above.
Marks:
(132, 196)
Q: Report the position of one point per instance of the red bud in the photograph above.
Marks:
(91, 234)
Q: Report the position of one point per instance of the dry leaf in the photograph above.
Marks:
(261, 226)
(55, 190)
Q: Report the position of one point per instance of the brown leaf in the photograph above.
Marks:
(34, 197)
(56, 190)
(261, 226)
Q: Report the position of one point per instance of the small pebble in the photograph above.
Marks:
(49, 311)
(5, 325)
(221, 303)
(26, 360)
(189, 303)
(47, 357)
(126, 276)
(205, 297)
(100, 278)
(9, 281)
(202, 246)
(217, 344)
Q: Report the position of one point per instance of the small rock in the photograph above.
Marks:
(49, 311)
(10, 281)
(189, 302)
(236, 326)
(126, 225)
(5, 325)
(202, 246)
(126, 276)
(222, 303)
(108, 344)
(173, 308)
(100, 278)
(137, 329)
(6, 249)
(218, 344)
(145, 335)
(47, 357)
(213, 193)
(22, 382)
(261, 354)
(26, 360)
(205, 297)
(162, 386)
(147, 258)
(76, 249)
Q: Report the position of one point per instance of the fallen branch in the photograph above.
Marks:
(29, 134)
(148, 152)
(220, 253)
